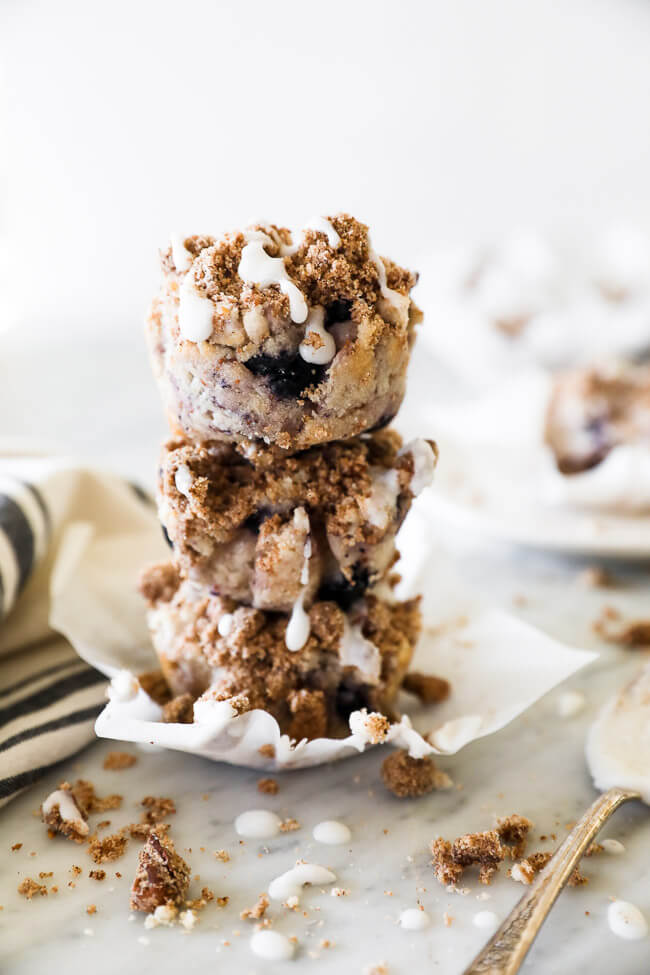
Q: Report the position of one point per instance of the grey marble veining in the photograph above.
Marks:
(535, 767)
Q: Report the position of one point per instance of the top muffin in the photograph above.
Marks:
(293, 340)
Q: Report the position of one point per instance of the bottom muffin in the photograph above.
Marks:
(210, 647)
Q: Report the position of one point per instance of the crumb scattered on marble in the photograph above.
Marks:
(289, 825)
(222, 855)
(29, 888)
(116, 761)
(513, 832)
(257, 911)
(157, 809)
(408, 777)
(109, 848)
(268, 787)
(16, 846)
(97, 874)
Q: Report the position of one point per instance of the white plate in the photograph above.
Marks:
(480, 489)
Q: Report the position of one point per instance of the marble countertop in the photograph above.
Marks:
(534, 767)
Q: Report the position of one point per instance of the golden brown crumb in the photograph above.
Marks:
(115, 761)
(428, 688)
(267, 751)
(481, 849)
(408, 777)
(289, 826)
(158, 583)
(140, 831)
(28, 888)
(309, 711)
(88, 800)
(207, 896)
(97, 874)
(154, 684)
(75, 870)
(162, 875)
(446, 870)
(257, 911)
(222, 855)
(513, 833)
(379, 969)
(91, 909)
(44, 874)
(222, 901)
(110, 848)
(157, 809)
(268, 787)
(17, 846)
(180, 710)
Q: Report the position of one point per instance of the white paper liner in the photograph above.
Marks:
(509, 423)
(497, 665)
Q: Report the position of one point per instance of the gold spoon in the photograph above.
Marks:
(618, 756)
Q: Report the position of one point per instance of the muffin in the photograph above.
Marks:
(287, 340)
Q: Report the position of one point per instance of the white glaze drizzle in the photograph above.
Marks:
(257, 824)
(258, 267)
(299, 626)
(180, 255)
(183, 480)
(325, 227)
(316, 223)
(396, 299)
(290, 883)
(331, 832)
(224, 626)
(271, 945)
(379, 507)
(358, 652)
(413, 919)
(194, 312)
(424, 464)
(123, 687)
(326, 351)
(68, 809)
(626, 921)
(613, 847)
(486, 920)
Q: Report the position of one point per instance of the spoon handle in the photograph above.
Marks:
(507, 948)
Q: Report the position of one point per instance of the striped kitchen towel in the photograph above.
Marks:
(49, 697)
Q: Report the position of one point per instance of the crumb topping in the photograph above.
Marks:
(324, 274)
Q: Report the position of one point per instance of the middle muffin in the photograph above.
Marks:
(267, 530)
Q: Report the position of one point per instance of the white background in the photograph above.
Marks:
(430, 120)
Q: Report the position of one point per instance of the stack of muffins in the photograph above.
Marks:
(281, 360)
